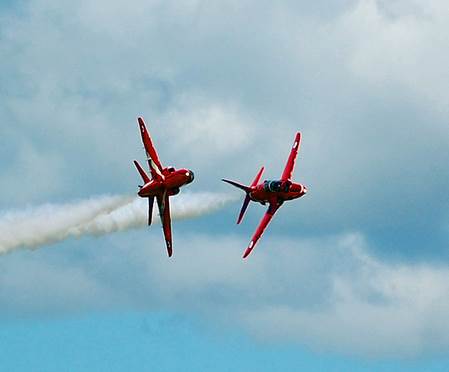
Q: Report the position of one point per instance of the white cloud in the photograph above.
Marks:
(227, 85)
(227, 96)
(328, 293)
(409, 50)
(31, 174)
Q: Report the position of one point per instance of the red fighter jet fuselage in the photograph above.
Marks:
(277, 190)
(275, 193)
(174, 180)
(163, 183)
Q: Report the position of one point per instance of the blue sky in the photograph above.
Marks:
(351, 277)
(48, 345)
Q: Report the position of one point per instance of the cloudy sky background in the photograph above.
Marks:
(354, 275)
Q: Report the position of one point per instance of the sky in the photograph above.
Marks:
(354, 276)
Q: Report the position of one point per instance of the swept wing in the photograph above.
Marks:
(288, 170)
(163, 203)
(152, 157)
(263, 224)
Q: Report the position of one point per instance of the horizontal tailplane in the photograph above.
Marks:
(245, 201)
(238, 185)
(247, 190)
(244, 207)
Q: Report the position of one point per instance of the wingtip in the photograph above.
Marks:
(249, 249)
(247, 252)
(297, 141)
(141, 122)
(240, 218)
(169, 248)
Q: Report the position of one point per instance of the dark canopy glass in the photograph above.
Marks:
(276, 186)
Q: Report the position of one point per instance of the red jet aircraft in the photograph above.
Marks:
(272, 192)
(164, 182)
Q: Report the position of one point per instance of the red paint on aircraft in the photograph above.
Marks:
(163, 183)
(275, 193)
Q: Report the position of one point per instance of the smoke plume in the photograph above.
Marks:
(33, 227)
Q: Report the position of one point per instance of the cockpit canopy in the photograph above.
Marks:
(276, 186)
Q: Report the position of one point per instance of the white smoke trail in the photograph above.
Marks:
(34, 227)
(134, 214)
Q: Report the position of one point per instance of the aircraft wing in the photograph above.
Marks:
(163, 203)
(263, 224)
(288, 171)
(152, 157)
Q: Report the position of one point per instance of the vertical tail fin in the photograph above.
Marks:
(256, 180)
